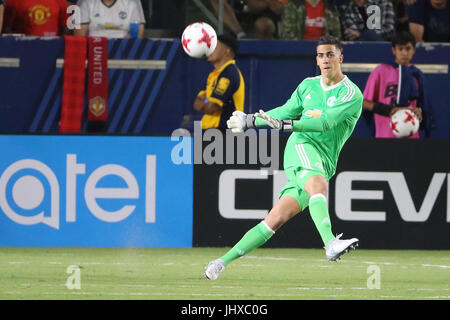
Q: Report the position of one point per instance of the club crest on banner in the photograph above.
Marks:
(97, 106)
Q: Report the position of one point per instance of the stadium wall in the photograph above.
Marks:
(396, 192)
(93, 191)
(391, 194)
(152, 83)
(140, 191)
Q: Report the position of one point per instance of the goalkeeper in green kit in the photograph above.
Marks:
(329, 106)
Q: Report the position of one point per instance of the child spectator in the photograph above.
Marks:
(110, 18)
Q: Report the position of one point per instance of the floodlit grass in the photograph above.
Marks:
(177, 274)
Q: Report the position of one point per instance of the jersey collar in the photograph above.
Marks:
(109, 6)
(327, 88)
(226, 64)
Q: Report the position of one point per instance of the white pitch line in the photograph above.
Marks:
(271, 258)
(437, 266)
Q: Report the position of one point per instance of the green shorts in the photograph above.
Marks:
(300, 170)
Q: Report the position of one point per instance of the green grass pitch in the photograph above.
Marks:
(177, 274)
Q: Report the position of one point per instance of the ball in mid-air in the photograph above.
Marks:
(199, 39)
(404, 123)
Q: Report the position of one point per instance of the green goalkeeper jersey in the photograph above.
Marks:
(328, 116)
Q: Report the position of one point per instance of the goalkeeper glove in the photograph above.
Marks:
(282, 125)
(240, 121)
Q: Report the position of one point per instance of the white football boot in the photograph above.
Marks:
(337, 247)
(214, 269)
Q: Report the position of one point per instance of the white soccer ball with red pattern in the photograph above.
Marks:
(404, 123)
(199, 39)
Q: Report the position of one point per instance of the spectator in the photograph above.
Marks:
(382, 97)
(356, 17)
(110, 18)
(429, 20)
(225, 87)
(401, 16)
(230, 22)
(36, 17)
(265, 16)
(2, 8)
(309, 20)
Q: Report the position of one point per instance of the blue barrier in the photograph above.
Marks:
(93, 191)
(156, 101)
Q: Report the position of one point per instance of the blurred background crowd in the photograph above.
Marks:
(350, 20)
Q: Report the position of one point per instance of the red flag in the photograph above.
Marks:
(73, 85)
(97, 79)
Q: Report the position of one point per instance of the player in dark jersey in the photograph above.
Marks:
(225, 87)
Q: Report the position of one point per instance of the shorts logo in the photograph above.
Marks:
(319, 165)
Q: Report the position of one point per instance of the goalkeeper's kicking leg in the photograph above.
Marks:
(286, 208)
(317, 188)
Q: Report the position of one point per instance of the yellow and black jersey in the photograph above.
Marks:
(225, 86)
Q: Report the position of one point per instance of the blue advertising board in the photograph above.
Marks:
(93, 191)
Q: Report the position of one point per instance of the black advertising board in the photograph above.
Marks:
(390, 193)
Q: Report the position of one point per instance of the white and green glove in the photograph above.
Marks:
(241, 121)
(282, 125)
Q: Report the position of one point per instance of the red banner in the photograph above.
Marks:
(73, 85)
(97, 79)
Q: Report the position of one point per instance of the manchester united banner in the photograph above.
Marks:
(97, 79)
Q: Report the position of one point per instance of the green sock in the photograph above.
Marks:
(253, 239)
(319, 213)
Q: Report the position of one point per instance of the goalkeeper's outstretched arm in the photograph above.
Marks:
(314, 120)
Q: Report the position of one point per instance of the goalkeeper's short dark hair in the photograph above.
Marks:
(327, 39)
(402, 38)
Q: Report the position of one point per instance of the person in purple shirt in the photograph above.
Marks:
(394, 86)
(429, 20)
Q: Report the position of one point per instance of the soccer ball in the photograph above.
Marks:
(404, 123)
(199, 39)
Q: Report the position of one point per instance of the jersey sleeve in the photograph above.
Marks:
(140, 12)
(372, 88)
(290, 110)
(348, 105)
(136, 15)
(84, 12)
(226, 85)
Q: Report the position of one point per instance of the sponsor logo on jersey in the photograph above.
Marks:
(303, 173)
(222, 86)
(123, 15)
(313, 113)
